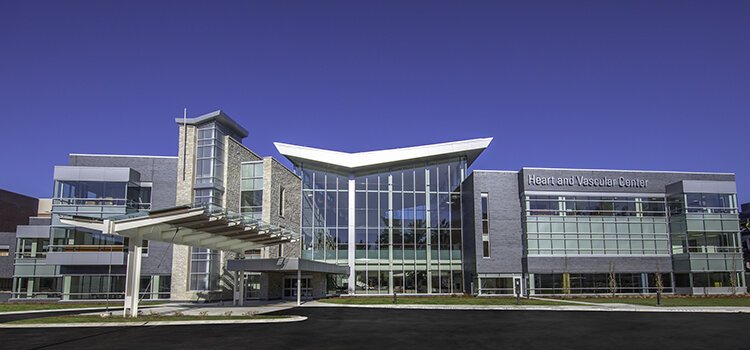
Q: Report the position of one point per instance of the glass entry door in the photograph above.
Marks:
(290, 287)
(252, 286)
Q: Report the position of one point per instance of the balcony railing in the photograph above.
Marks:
(73, 202)
(88, 248)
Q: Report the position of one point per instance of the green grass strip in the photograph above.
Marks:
(8, 307)
(671, 301)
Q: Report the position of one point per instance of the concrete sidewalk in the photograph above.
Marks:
(578, 306)
(221, 309)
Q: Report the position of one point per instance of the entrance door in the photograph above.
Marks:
(252, 286)
(290, 287)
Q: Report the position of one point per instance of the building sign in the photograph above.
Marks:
(583, 181)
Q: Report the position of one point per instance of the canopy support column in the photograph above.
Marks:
(239, 288)
(299, 287)
(133, 277)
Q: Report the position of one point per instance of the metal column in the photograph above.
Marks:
(239, 288)
(299, 287)
(133, 277)
(351, 248)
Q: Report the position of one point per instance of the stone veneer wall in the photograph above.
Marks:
(185, 185)
(276, 176)
(236, 153)
(272, 285)
(181, 253)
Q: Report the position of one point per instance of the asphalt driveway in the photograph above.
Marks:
(358, 328)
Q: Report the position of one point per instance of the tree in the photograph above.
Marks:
(612, 279)
(733, 281)
(659, 286)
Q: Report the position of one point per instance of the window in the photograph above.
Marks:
(595, 206)
(281, 201)
(207, 196)
(209, 164)
(6, 284)
(251, 200)
(204, 269)
(710, 203)
(712, 242)
(600, 283)
(594, 225)
(90, 193)
(97, 287)
(4, 250)
(485, 225)
(139, 197)
(497, 285)
(31, 248)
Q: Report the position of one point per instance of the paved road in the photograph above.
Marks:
(356, 328)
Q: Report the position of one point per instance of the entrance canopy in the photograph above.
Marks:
(204, 227)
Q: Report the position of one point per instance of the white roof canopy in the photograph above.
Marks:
(359, 161)
(196, 227)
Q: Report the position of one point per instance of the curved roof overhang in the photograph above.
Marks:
(364, 161)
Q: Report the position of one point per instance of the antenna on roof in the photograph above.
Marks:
(184, 142)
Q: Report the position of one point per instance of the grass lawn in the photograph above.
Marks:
(436, 300)
(7, 307)
(144, 318)
(672, 301)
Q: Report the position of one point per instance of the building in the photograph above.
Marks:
(15, 209)
(745, 237)
(218, 221)
(577, 231)
(56, 261)
(393, 217)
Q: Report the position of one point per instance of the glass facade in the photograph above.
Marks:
(600, 283)
(209, 166)
(705, 240)
(209, 180)
(578, 225)
(402, 225)
(204, 269)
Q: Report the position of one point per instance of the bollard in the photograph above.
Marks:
(658, 297)
(395, 298)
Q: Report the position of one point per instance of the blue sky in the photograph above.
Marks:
(653, 85)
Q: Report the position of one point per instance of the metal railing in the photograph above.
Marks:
(100, 248)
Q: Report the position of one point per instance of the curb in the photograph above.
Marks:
(536, 308)
(154, 323)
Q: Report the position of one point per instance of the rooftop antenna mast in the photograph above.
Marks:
(184, 142)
